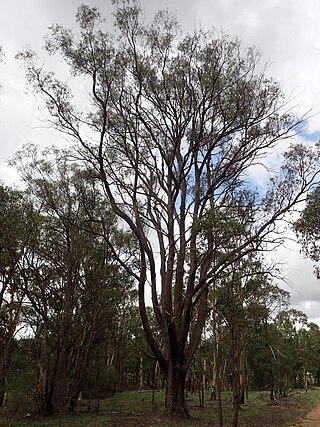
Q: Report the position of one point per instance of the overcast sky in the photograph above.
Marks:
(287, 32)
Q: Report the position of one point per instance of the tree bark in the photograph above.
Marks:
(236, 396)
(59, 382)
(141, 374)
(175, 401)
(242, 376)
(203, 382)
(305, 379)
(80, 371)
(235, 378)
(2, 388)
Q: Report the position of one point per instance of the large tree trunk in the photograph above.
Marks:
(236, 355)
(141, 374)
(202, 385)
(2, 373)
(43, 396)
(236, 394)
(77, 382)
(43, 389)
(242, 376)
(176, 405)
(59, 382)
(79, 375)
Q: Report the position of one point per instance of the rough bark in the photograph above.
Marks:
(2, 387)
(176, 405)
(59, 382)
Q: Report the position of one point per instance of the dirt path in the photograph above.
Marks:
(312, 419)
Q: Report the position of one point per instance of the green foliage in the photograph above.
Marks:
(74, 280)
(224, 223)
(307, 228)
(21, 379)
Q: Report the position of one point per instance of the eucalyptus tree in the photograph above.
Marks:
(17, 219)
(307, 228)
(243, 292)
(288, 350)
(172, 124)
(312, 351)
(263, 307)
(72, 281)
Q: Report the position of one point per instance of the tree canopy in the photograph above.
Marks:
(307, 228)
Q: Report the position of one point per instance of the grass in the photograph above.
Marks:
(129, 409)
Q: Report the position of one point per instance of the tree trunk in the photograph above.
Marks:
(76, 387)
(217, 364)
(59, 382)
(236, 396)
(156, 380)
(43, 396)
(219, 398)
(44, 387)
(217, 358)
(2, 375)
(175, 401)
(141, 374)
(80, 372)
(242, 376)
(2, 388)
(235, 377)
(305, 379)
(202, 383)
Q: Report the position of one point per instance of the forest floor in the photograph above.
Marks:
(138, 409)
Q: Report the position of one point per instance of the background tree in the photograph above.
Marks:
(172, 125)
(262, 308)
(72, 281)
(17, 219)
(307, 228)
(312, 347)
(288, 356)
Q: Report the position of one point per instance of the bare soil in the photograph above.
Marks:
(312, 419)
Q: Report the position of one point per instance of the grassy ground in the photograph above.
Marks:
(129, 409)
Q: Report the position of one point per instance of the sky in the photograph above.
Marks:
(287, 32)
